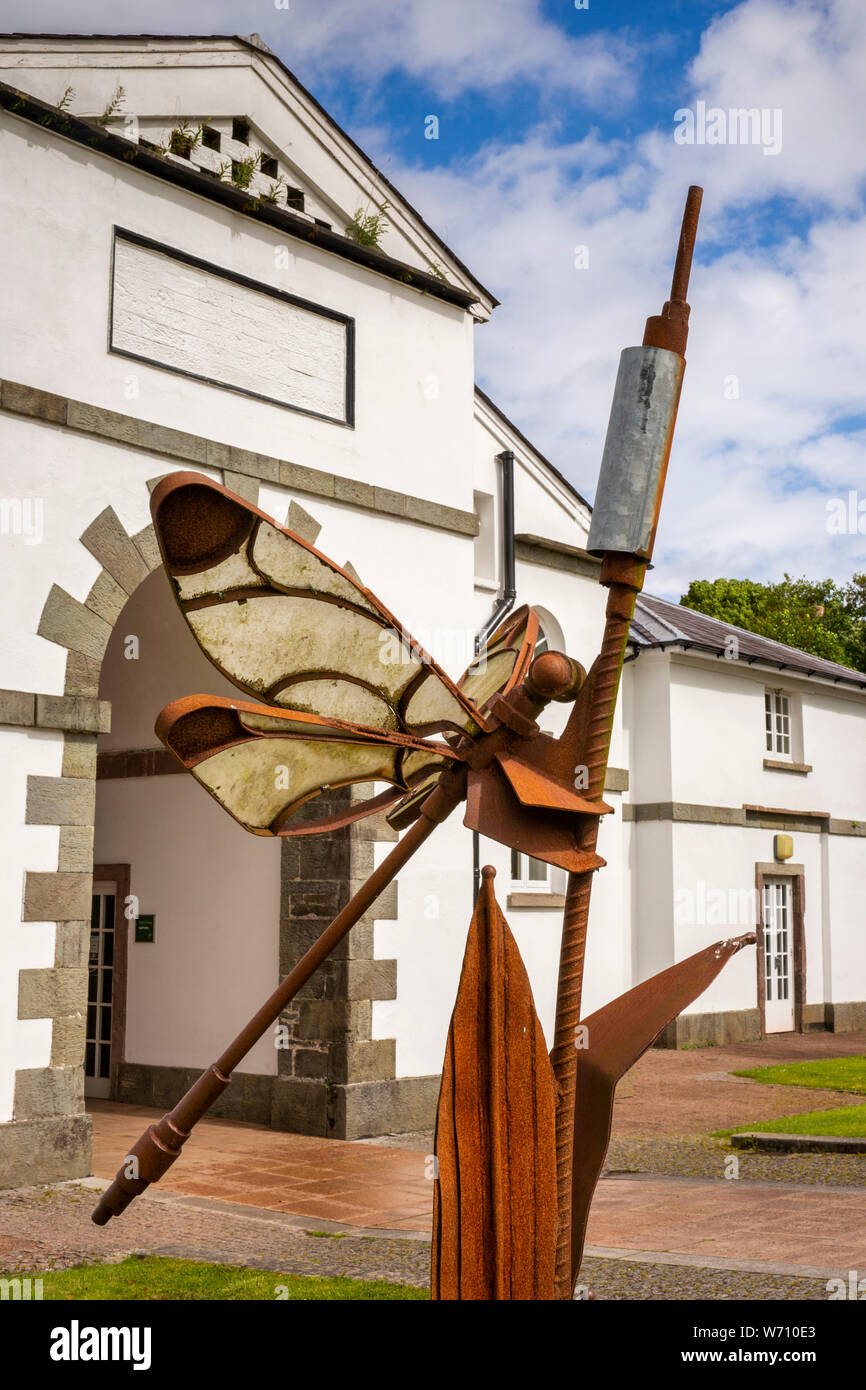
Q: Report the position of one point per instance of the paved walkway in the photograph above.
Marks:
(360, 1185)
(375, 1188)
(665, 1223)
(47, 1229)
(779, 1209)
(786, 1224)
(693, 1092)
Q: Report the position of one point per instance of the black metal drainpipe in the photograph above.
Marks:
(502, 606)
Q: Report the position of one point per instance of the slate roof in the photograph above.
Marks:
(660, 623)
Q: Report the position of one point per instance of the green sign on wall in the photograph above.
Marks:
(145, 926)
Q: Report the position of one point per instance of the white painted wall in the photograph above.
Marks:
(717, 710)
(844, 953)
(652, 898)
(834, 742)
(71, 478)
(646, 704)
(697, 736)
(215, 892)
(544, 506)
(713, 898)
(414, 386)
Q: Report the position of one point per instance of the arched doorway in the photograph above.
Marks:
(186, 904)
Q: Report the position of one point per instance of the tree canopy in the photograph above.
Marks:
(817, 616)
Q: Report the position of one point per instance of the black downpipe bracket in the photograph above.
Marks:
(502, 606)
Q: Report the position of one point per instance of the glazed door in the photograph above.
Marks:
(778, 956)
(101, 1001)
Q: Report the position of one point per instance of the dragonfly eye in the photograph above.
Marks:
(555, 676)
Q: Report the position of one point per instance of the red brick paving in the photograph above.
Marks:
(750, 1221)
(357, 1184)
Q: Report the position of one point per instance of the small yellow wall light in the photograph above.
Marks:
(783, 847)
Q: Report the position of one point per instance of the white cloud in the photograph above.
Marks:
(807, 59)
(456, 46)
(776, 355)
(459, 47)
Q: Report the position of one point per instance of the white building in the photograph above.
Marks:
(160, 317)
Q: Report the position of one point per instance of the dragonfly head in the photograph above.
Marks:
(554, 676)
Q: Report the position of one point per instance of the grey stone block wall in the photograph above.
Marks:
(333, 1077)
(49, 1136)
(51, 1149)
(847, 1017)
(699, 1030)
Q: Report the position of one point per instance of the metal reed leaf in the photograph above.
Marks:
(494, 1212)
(615, 1037)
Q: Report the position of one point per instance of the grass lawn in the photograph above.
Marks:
(157, 1277)
(831, 1074)
(850, 1121)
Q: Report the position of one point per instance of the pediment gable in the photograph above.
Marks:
(229, 107)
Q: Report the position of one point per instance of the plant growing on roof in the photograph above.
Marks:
(114, 107)
(244, 169)
(184, 138)
(66, 100)
(273, 193)
(367, 229)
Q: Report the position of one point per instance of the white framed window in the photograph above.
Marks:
(777, 723)
(529, 875)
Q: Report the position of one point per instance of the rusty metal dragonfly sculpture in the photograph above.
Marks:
(341, 695)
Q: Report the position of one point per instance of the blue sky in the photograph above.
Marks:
(664, 37)
(557, 131)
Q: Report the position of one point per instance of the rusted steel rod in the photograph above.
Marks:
(670, 328)
(605, 676)
(625, 547)
(685, 250)
(158, 1147)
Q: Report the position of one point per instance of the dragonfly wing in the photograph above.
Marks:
(502, 664)
(262, 766)
(287, 625)
(504, 660)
